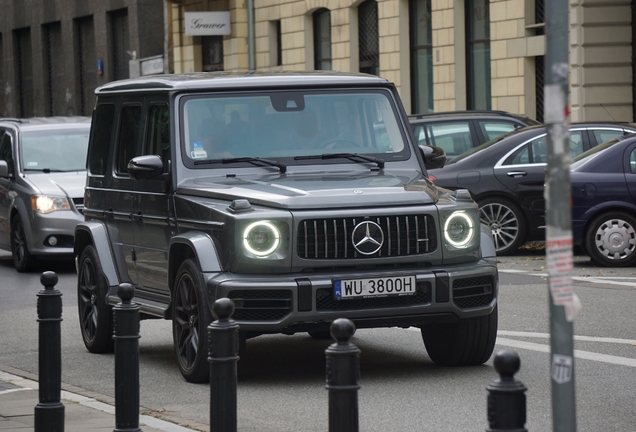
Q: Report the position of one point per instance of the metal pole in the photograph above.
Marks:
(126, 335)
(49, 412)
(223, 336)
(563, 302)
(343, 373)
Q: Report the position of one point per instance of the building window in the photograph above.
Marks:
(120, 50)
(539, 83)
(539, 16)
(87, 61)
(421, 37)
(279, 44)
(212, 52)
(54, 69)
(478, 54)
(368, 36)
(322, 39)
(24, 72)
(3, 103)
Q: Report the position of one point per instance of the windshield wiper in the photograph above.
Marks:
(351, 156)
(44, 170)
(253, 160)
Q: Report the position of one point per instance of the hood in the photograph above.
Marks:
(318, 190)
(69, 184)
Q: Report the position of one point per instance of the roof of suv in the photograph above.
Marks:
(34, 123)
(449, 115)
(245, 79)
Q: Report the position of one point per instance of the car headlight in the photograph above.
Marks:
(261, 238)
(47, 204)
(459, 229)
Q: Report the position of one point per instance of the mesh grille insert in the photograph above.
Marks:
(261, 305)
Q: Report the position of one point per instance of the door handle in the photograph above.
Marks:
(516, 174)
(137, 217)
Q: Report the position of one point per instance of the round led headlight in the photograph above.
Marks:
(261, 238)
(459, 229)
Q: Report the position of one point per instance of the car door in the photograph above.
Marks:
(154, 224)
(6, 198)
(523, 171)
(629, 167)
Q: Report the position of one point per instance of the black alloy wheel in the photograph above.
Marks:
(22, 258)
(95, 315)
(190, 319)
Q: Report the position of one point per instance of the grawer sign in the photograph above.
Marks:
(207, 23)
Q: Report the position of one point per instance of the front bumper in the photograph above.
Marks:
(304, 302)
(60, 224)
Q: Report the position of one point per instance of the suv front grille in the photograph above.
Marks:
(473, 292)
(331, 238)
(325, 300)
(261, 305)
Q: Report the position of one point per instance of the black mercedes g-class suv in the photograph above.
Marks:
(300, 196)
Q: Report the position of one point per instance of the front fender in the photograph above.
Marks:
(94, 232)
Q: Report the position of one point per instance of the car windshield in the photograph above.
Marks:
(593, 152)
(287, 124)
(59, 150)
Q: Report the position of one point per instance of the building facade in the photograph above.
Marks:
(54, 53)
(442, 54)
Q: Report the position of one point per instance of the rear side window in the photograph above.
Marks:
(493, 129)
(127, 144)
(453, 137)
(102, 130)
(602, 136)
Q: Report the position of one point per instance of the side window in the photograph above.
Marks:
(420, 135)
(453, 137)
(101, 134)
(159, 134)
(494, 129)
(602, 136)
(128, 137)
(5, 152)
(532, 152)
(576, 143)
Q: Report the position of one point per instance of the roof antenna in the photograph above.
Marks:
(610, 114)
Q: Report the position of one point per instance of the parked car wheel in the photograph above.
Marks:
(22, 258)
(190, 319)
(320, 335)
(611, 239)
(464, 343)
(95, 315)
(506, 222)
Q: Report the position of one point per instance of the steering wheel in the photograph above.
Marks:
(339, 142)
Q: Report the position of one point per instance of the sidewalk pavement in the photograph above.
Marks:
(19, 396)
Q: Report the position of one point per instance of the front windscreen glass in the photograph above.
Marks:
(288, 124)
(55, 151)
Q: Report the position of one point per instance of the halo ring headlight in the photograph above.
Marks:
(261, 238)
(459, 229)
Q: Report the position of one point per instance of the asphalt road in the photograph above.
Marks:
(401, 389)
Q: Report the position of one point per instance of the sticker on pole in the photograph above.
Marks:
(561, 368)
(559, 260)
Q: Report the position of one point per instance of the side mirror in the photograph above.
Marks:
(434, 157)
(145, 167)
(4, 169)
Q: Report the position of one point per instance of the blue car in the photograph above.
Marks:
(603, 182)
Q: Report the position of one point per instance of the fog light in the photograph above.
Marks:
(52, 240)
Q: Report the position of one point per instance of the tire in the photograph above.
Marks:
(22, 258)
(320, 335)
(506, 222)
(191, 316)
(95, 315)
(610, 240)
(468, 342)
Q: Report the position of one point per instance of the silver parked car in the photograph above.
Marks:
(42, 180)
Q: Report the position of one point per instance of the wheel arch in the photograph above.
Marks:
(20, 209)
(94, 233)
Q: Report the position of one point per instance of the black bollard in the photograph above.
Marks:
(223, 336)
(49, 412)
(343, 373)
(126, 335)
(506, 396)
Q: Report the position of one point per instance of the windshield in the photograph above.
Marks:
(284, 125)
(59, 150)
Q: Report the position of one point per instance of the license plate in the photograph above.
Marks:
(373, 287)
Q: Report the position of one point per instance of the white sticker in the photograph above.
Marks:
(553, 104)
(561, 368)
(560, 265)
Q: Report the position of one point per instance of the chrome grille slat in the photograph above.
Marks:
(404, 235)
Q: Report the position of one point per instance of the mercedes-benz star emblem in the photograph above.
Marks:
(367, 237)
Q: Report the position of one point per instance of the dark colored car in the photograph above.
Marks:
(457, 132)
(603, 182)
(42, 179)
(300, 196)
(506, 177)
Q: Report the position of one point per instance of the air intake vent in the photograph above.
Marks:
(261, 305)
(473, 292)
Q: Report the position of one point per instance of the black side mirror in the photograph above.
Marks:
(4, 169)
(434, 157)
(145, 167)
